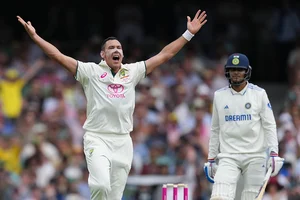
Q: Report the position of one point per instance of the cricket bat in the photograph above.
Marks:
(263, 187)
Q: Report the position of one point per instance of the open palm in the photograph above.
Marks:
(28, 27)
(198, 21)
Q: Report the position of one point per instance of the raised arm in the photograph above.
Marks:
(67, 62)
(174, 47)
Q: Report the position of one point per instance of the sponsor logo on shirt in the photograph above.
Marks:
(103, 75)
(242, 117)
(269, 106)
(115, 91)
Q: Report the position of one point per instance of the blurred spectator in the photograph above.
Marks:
(182, 110)
(11, 94)
(201, 133)
(10, 148)
(34, 97)
(38, 143)
(173, 130)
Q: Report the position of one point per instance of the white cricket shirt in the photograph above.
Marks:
(110, 99)
(242, 122)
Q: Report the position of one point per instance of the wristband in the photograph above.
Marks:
(188, 35)
(273, 154)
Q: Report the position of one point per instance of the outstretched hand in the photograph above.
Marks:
(28, 27)
(199, 20)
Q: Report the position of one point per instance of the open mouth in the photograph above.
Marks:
(116, 57)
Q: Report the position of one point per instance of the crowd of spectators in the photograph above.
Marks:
(43, 107)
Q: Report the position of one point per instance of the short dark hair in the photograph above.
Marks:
(107, 39)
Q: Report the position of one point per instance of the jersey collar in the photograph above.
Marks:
(103, 64)
(242, 92)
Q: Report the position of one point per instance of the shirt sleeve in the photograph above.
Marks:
(214, 141)
(269, 124)
(139, 71)
(83, 72)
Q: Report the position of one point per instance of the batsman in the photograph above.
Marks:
(243, 140)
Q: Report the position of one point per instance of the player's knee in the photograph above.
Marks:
(101, 187)
(249, 194)
(223, 191)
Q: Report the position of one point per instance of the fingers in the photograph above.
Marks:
(188, 18)
(26, 25)
(202, 16)
(204, 22)
(197, 14)
(21, 20)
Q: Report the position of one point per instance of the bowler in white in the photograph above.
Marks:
(109, 87)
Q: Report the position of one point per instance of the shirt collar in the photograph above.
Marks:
(104, 64)
(242, 92)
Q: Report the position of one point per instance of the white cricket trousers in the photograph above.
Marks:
(109, 158)
(231, 166)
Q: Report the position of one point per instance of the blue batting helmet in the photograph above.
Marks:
(238, 60)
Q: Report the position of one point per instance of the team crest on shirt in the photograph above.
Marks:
(248, 105)
(123, 73)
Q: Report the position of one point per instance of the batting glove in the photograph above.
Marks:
(275, 162)
(210, 169)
